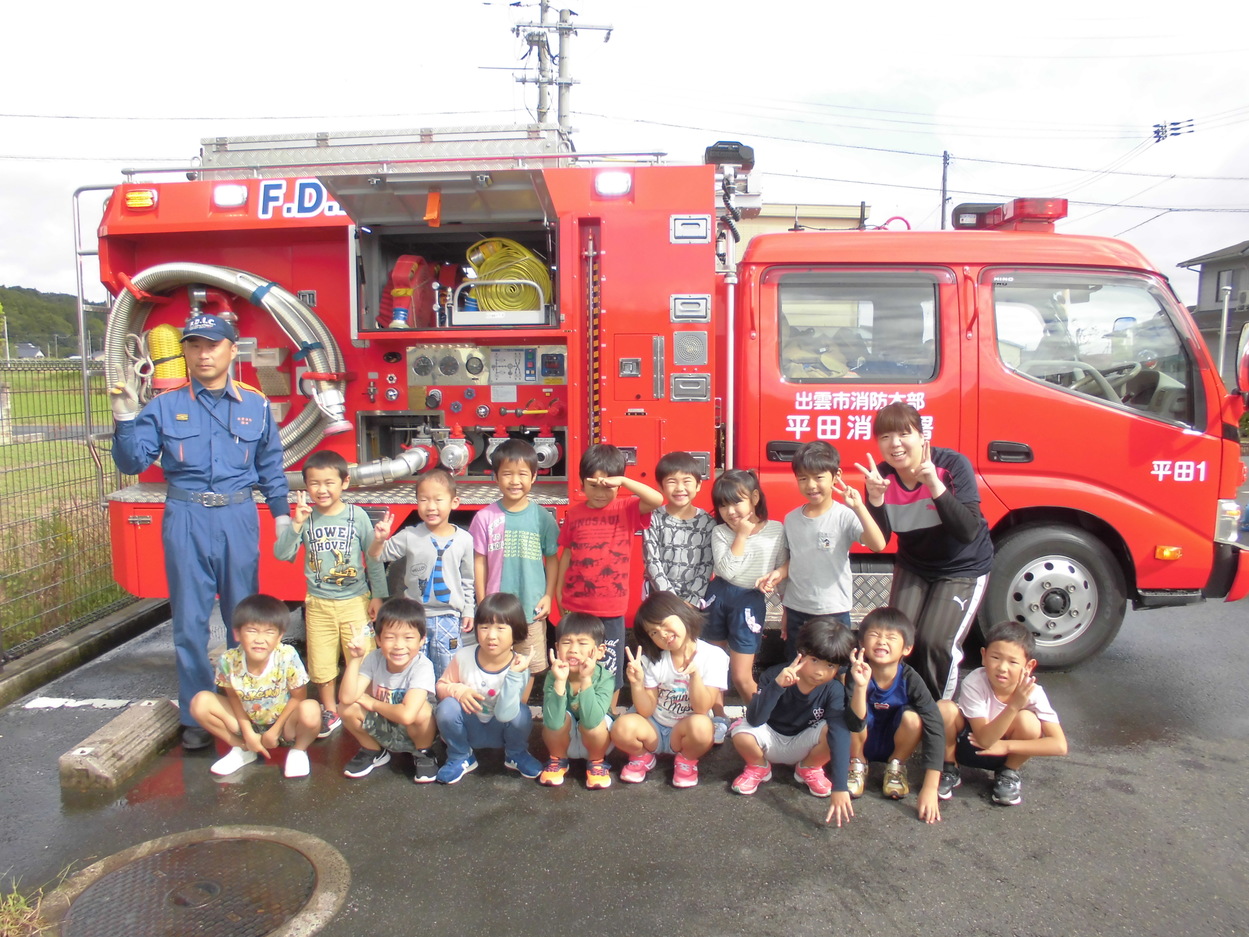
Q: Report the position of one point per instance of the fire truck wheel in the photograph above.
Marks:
(1064, 585)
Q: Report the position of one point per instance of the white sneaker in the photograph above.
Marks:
(234, 759)
(296, 764)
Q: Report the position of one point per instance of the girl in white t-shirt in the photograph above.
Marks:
(480, 693)
(675, 679)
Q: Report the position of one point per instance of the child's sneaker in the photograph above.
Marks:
(895, 785)
(329, 723)
(426, 766)
(296, 764)
(553, 774)
(950, 779)
(815, 779)
(721, 727)
(684, 772)
(856, 779)
(751, 777)
(636, 770)
(452, 771)
(1007, 787)
(597, 776)
(365, 760)
(523, 763)
(234, 759)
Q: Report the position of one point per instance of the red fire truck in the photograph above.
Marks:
(411, 300)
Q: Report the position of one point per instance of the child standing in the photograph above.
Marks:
(336, 538)
(1003, 717)
(677, 544)
(597, 542)
(576, 701)
(800, 716)
(480, 703)
(440, 564)
(265, 691)
(385, 696)
(900, 711)
(515, 542)
(676, 679)
(818, 535)
(749, 552)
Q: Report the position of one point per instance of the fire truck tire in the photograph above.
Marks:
(1064, 585)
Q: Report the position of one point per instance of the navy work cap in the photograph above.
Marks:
(211, 327)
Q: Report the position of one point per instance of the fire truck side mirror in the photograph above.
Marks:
(1242, 364)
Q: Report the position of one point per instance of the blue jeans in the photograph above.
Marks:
(464, 732)
(442, 639)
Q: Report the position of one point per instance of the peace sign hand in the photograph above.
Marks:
(875, 483)
(860, 671)
(382, 529)
(849, 495)
(926, 472)
(633, 669)
(789, 676)
(303, 510)
(520, 662)
(559, 668)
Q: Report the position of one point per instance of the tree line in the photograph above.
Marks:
(47, 320)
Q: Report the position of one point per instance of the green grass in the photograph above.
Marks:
(19, 914)
(53, 397)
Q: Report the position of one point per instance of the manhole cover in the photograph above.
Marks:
(239, 887)
(259, 881)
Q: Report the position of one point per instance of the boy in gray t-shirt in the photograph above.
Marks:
(384, 697)
(819, 535)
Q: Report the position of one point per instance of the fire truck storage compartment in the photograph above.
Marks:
(413, 226)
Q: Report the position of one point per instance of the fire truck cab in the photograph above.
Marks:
(412, 301)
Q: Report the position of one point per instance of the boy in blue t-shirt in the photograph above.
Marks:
(800, 716)
(900, 711)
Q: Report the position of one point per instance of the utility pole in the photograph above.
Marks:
(945, 179)
(538, 36)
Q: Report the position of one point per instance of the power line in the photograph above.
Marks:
(1003, 195)
(900, 152)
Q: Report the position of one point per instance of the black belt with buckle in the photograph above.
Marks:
(209, 499)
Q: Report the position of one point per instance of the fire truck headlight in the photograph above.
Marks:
(1227, 522)
(612, 183)
(229, 195)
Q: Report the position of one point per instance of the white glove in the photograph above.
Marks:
(281, 525)
(123, 397)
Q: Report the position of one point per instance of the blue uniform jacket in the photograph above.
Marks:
(208, 443)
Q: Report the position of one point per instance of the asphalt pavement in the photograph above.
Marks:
(1140, 830)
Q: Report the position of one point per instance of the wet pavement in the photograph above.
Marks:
(1140, 830)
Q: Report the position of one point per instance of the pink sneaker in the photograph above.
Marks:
(751, 777)
(684, 772)
(815, 779)
(635, 771)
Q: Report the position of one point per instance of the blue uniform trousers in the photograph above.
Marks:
(209, 552)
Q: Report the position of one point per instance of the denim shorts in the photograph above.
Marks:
(735, 615)
(443, 638)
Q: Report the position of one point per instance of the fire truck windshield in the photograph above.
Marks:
(1108, 336)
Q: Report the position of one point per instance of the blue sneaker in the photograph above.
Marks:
(454, 769)
(524, 763)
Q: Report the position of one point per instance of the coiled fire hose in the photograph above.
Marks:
(504, 259)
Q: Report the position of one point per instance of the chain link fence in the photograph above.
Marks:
(55, 568)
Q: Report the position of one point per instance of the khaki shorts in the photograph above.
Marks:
(535, 641)
(331, 625)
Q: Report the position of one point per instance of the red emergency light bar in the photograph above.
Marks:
(1021, 214)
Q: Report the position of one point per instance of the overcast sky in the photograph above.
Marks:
(841, 104)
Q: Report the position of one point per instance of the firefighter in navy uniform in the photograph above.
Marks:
(216, 439)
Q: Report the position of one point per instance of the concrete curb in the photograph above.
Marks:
(110, 756)
(28, 673)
